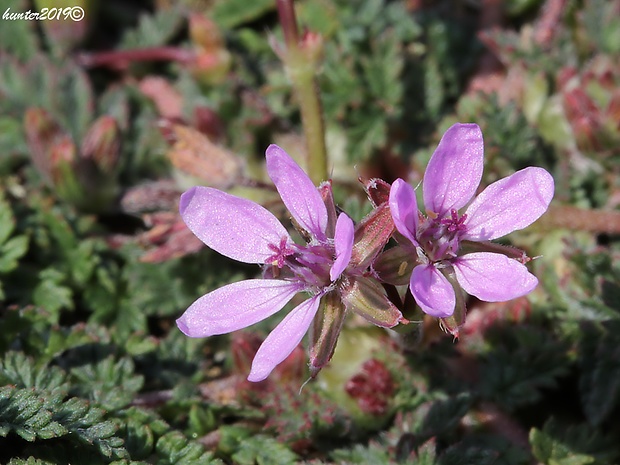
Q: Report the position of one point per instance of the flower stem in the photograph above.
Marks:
(300, 60)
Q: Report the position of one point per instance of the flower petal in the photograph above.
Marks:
(343, 242)
(432, 291)
(404, 209)
(455, 169)
(509, 204)
(298, 192)
(237, 228)
(236, 306)
(493, 277)
(283, 339)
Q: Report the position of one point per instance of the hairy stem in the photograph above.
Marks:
(300, 60)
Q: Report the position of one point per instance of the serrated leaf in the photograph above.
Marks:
(485, 449)
(11, 251)
(600, 378)
(86, 423)
(444, 415)
(112, 384)
(21, 371)
(550, 451)
(73, 100)
(17, 37)
(175, 449)
(51, 294)
(153, 30)
(263, 450)
(30, 461)
(201, 420)
(523, 361)
(23, 411)
(7, 221)
(233, 13)
(139, 438)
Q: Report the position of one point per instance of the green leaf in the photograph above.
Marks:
(359, 454)
(22, 411)
(550, 451)
(21, 371)
(30, 461)
(86, 423)
(485, 449)
(11, 251)
(522, 361)
(233, 13)
(444, 415)
(600, 376)
(175, 449)
(153, 30)
(263, 450)
(201, 420)
(51, 293)
(111, 384)
(139, 436)
(18, 37)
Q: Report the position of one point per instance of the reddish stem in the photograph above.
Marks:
(288, 21)
(121, 59)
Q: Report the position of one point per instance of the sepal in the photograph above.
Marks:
(455, 322)
(367, 298)
(394, 266)
(325, 331)
(371, 235)
(377, 190)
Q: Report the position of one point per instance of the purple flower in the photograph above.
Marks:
(440, 239)
(245, 231)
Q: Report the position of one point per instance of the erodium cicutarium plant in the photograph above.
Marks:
(339, 267)
(322, 268)
(450, 247)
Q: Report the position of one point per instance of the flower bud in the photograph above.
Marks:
(194, 154)
(212, 61)
(101, 144)
(204, 33)
(42, 132)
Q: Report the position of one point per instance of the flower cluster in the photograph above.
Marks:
(341, 267)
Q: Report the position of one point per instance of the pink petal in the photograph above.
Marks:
(283, 339)
(455, 169)
(493, 277)
(404, 209)
(237, 228)
(236, 306)
(432, 291)
(509, 204)
(343, 243)
(298, 192)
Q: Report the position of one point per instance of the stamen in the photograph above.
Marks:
(454, 223)
(281, 252)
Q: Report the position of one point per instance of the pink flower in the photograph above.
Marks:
(440, 238)
(245, 231)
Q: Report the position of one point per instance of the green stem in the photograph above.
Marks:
(306, 90)
(300, 59)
